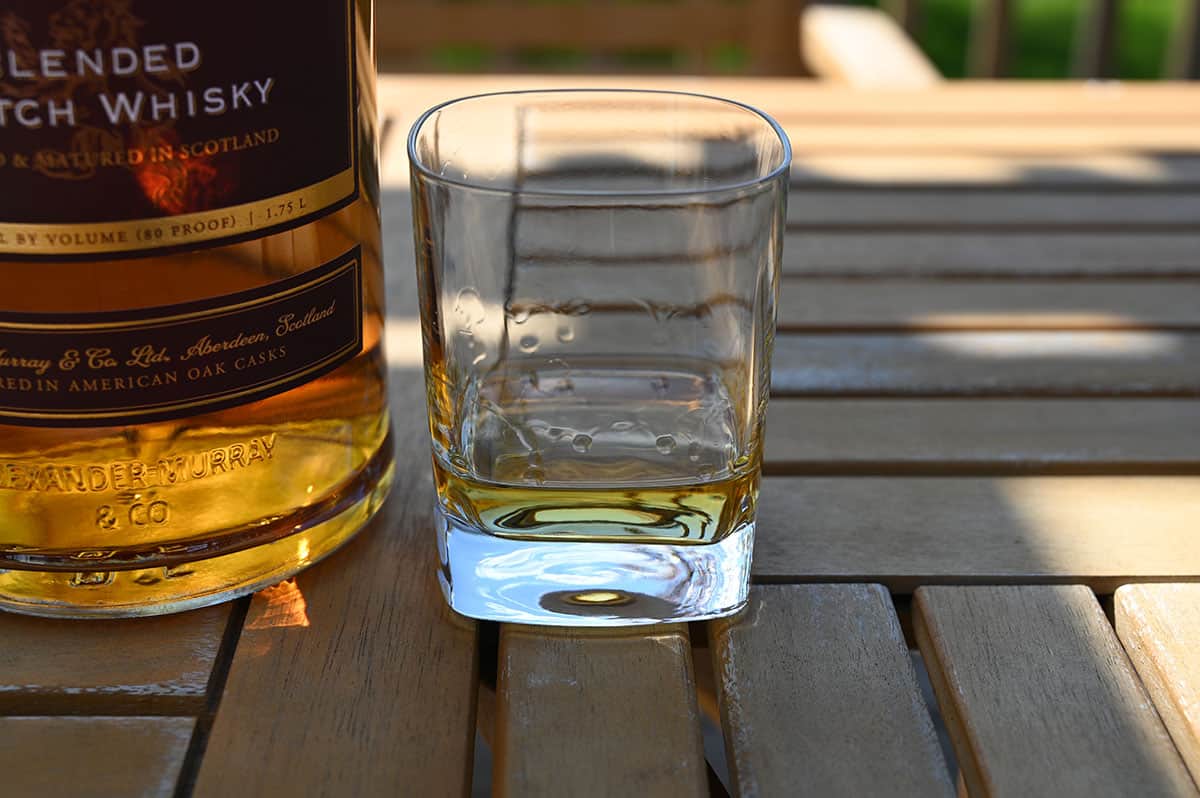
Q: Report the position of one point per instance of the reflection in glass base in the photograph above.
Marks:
(586, 583)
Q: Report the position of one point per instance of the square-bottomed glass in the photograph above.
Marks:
(598, 274)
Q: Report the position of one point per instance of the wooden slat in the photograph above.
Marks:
(390, 137)
(1028, 137)
(1125, 170)
(1160, 628)
(1184, 54)
(981, 170)
(771, 39)
(861, 209)
(1119, 363)
(951, 253)
(991, 23)
(875, 252)
(85, 757)
(1095, 39)
(982, 435)
(418, 25)
(862, 47)
(139, 666)
(357, 679)
(1039, 698)
(908, 531)
(357, 676)
(952, 102)
(987, 119)
(928, 305)
(906, 12)
(597, 712)
(823, 304)
(393, 158)
(412, 28)
(932, 136)
(819, 697)
(869, 251)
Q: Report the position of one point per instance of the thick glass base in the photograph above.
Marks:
(198, 583)
(589, 583)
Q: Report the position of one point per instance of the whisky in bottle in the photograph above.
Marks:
(192, 387)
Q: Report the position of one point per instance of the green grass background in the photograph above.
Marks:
(1043, 36)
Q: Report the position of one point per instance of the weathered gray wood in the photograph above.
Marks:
(932, 136)
(596, 713)
(928, 305)
(1038, 696)
(1125, 171)
(885, 252)
(995, 436)
(979, 254)
(137, 757)
(909, 531)
(352, 679)
(356, 677)
(982, 209)
(1159, 626)
(876, 251)
(819, 697)
(1119, 363)
(142, 665)
(889, 233)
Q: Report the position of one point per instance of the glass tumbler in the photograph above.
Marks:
(598, 274)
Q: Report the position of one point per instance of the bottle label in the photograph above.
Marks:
(152, 364)
(138, 126)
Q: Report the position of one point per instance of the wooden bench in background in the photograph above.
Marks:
(690, 35)
(690, 32)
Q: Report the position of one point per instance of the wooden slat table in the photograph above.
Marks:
(985, 433)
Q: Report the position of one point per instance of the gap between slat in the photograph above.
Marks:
(819, 696)
(1039, 697)
(1159, 625)
(216, 688)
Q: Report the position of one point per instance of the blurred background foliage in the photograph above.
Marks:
(1043, 39)
(1044, 35)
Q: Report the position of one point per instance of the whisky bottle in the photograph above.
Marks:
(192, 386)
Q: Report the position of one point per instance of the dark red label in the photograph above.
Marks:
(137, 125)
(130, 367)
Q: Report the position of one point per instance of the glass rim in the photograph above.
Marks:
(782, 168)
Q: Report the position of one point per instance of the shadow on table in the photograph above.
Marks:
(912, 526)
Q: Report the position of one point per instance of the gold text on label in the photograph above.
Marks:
(136, 474)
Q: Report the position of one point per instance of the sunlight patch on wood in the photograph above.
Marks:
(1058, 345)
(286, 607)
(1048, 319)
(403, 342)
(1116, 525)
(956, 167)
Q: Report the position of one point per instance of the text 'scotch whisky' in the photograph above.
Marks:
(192, 387)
